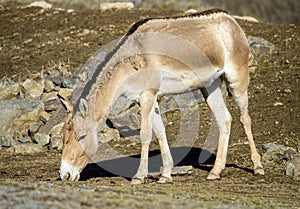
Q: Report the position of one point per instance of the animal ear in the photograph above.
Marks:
(67, 104)
(83, 107)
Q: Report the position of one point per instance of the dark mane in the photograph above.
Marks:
(204, 13)
(208, 12)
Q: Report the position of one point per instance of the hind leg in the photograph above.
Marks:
(223, 118)
(242, 101)
(239, 88)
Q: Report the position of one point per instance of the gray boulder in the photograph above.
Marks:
(32, 89)
(108, 135)
(49, 86)
(51, 101)
(57, 119)
(17, 115)
(180, 101)
(260, 45)
(293, 167)
(71, 83)
(6, 140)
(56, 142)
(277, 153)
(8, 89)
(42, 139)
(274, 152)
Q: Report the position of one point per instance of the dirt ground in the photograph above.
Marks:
(32, 40)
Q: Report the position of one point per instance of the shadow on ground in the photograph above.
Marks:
(127, 166)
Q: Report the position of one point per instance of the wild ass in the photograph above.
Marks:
(164, 56)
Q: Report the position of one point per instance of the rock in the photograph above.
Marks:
(34, 127)
(51, 101)
(57, 117)
(102, 125)
(32, 89)
(135, 137)
(49, 96)
(49, 86)
(191, 11)
(290, 169)
(182, 170)
(293, 167)
(56, 130)
(290, 153)
(25, 139)
(28, 148)
(70, 83)
(116, 6)
(55, 76)
(65, 93)
(56, 142)
(179, 101)
(127, 120)
(211, 143)
(8, 89)
(260, 45)
(17, 115)
(177, 170)
(42, 139)
(247, 18)
(45, 116)
(277, 153)
(41, 4)
(108, 135)
(52, 105)
(273, 152)
(6, 140)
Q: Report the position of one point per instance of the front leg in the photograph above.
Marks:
(147, 101)
(160, 133)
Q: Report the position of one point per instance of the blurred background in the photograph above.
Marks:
(270, 11)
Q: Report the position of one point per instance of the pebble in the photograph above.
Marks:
(32, 89)
(42, 139)
(6, 140)
(116, 5)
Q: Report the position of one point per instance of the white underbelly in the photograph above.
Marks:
(165, 82)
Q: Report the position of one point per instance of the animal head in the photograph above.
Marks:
(79, 138)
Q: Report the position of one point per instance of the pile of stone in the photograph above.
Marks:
(278, 154)
(27, 109)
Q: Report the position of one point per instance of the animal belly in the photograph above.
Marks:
(188, 81)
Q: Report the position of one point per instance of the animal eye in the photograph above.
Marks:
(81, 137)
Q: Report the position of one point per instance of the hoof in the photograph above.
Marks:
(259, 171)
(165, 180)
(212, 176)
(136, 181)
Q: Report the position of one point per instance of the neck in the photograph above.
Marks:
(106, 90)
